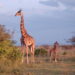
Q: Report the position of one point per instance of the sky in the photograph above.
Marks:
(45, 20)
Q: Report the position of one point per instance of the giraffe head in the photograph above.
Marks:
(56, 44)
(19, 13)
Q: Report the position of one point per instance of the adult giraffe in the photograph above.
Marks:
(26, 39)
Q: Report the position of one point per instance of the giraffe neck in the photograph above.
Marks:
(22, 28)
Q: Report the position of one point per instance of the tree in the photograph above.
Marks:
(7, 48)
(72, 40)
(4, 35)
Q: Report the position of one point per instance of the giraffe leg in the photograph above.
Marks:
(33, 58)
(27, 55)
(56, 59)
(32, 53)
(22, 49)
(22, 54)
(50, 55)
(55, 56)
(22, 46)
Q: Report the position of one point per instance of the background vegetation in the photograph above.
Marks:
(8, 50)
(10, 59)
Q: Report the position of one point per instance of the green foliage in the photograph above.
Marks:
(41, 52)
(4, 34)
(7, 48)
(10, 52)
(14, 54)
(64, 53)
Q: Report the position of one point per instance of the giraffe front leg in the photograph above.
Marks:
(32, 53)
(22, 45)
(22, 54)
(27, 59)
(55, 56)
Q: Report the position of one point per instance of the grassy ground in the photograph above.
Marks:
(65, 66)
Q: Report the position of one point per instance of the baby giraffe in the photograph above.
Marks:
(53, 51)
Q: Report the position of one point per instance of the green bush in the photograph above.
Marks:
(64, 53)
(41, 52)
(14, 54)
(8, 50)
(11, 53)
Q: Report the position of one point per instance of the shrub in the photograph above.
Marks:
(41, 52)
(64, 53)
(8, 50)
(14, 54)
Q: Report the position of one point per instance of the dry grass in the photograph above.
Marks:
(65, 66)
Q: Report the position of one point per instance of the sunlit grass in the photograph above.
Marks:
(42, 66)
